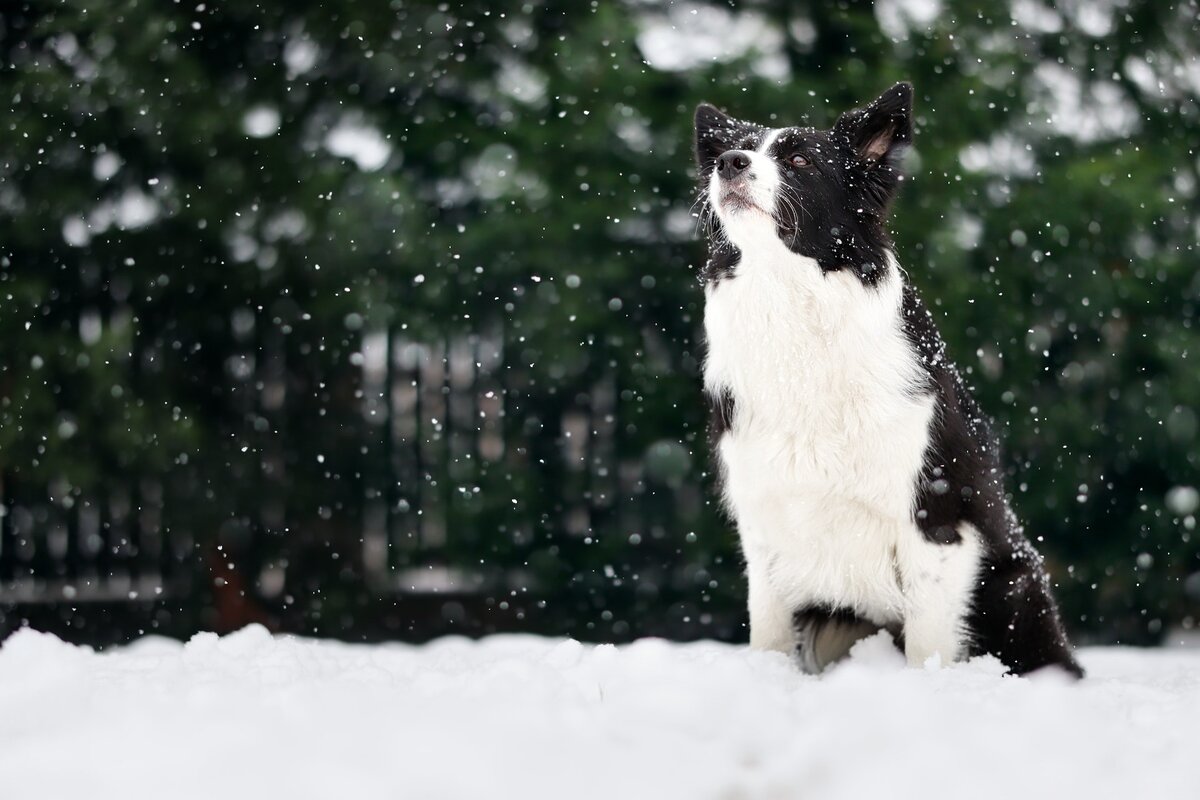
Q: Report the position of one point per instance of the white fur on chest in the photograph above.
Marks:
(829, 430)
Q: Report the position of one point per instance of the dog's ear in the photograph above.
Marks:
(878, 135)
(881, 131)
(715, 133)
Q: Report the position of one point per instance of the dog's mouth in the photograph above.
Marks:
(735, 200)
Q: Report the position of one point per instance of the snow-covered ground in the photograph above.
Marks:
(251, 716)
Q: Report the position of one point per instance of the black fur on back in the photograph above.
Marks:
(1013, 616)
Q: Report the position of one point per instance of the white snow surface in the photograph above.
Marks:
(254, 716)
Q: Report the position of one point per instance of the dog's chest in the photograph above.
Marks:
(828, 404)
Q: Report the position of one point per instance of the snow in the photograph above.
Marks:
(132, 210)
(360, 142)
(1087, 109)
(690, 35)
(897, 18)
(251, 715)
(261, 121)
(1183, 500)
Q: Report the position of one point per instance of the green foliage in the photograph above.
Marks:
(181, 242)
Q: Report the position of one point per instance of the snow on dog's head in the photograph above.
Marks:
(823, 194)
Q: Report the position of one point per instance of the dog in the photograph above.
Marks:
(862, 476)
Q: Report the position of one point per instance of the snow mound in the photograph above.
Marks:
(251, 715)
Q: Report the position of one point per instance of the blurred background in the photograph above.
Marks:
(380, 319)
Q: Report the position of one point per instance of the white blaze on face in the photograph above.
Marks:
(769, 140)
(758, 184)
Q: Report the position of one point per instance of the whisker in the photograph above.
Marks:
(794, 203)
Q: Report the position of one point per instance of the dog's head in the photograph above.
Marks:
(822, 194)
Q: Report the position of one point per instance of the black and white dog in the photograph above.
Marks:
(862, 475)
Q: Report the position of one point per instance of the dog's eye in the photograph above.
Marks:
(798, 161)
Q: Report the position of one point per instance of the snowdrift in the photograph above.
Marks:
(255, 716)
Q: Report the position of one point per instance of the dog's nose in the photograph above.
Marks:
(732, 164)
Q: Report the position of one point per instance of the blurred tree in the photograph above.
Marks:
(241, 244)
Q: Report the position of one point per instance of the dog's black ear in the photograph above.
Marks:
(715, 133)
(881, 131)
(879, 134)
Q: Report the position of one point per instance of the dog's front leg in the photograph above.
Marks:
(771, 623)
(937, 580)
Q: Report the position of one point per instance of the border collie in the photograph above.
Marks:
(863, 478)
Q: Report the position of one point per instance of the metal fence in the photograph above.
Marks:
(480, 501)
